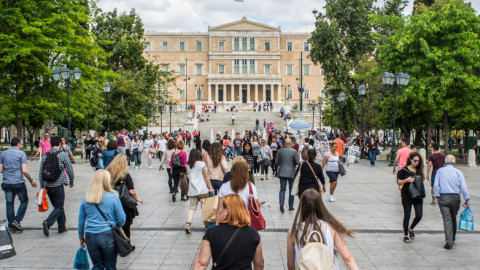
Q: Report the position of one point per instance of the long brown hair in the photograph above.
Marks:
(238, 215)
(419, 167)
(195, 155)
(216, 153)
(239, 175)
(310, 210)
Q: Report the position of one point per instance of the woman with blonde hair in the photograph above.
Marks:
(118, 169)
(178, 165)
(312, 215)
(216, 165)
(245, 246)
(239, 184)
(92, 228)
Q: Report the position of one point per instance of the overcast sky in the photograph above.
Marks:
(197, 15)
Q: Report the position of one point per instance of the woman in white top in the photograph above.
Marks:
(312, 215)
(149, 148)
(199, 184)
(162, 146)
(171, 147)
(136, 148)
(239, 184)
(331, 166)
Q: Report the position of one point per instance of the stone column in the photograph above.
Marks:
(256, 92)
(264, 92)
(209, 93)
(279, 93)
(224, 92)
(248, 92)
(232, 93)
(216, 93)
(240, 92)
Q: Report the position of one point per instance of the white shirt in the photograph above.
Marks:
(332, 162)
(197, 184)
(162, 145)
(149, 143)
(226, 189)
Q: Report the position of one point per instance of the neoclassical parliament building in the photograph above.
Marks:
(238, 62)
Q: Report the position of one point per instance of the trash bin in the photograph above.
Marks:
(469, 142)
(74, 142)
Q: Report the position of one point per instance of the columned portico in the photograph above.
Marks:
(256, 92)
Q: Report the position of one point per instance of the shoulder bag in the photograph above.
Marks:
(341, 169)
(296, 182)
(316, 178)
(122, 243)
(266, 160)
(256, 219)
(417, 189)
(125, 197)
(227, 245)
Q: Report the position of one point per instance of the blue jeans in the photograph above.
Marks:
(19, 190)
(137, 158)
(283, 189)
(57, 198)
(101, 248)
(373, 156)
(237, 153)
(216, 184)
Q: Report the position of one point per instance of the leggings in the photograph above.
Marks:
(88, 154)
(407, 209)
(274, 166)
(170, 179)
(256, 165)
(264, 169)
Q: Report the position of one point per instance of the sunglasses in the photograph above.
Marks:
(416, 160)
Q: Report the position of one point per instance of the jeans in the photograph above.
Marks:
(237, 153)
(233, 122)
(101, 248)
(170, 179)
(12, 190)
(127, 151)
(449, 205)
(264, 168)
(373, 156)
(57, 198)
(283, 189)
(216, 184)
(137, 158)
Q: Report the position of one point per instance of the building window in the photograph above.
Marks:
(148, 46)
(199, 70)
(182, 46)
(221, 69)
(244, 44)
(182, 94)
(306, 94)
(306, 46)
(306, 69)
(199, 93)
(289, 94)
(289, 69)
(236, 44)
(165, 68)
(236, 66)
(267, 45)
(252, 44)
(267, 69)
(252, 66)
(165, 46)
(182, 70)
(199, 45)
(221, 46)
(244, 66)
(289, 46)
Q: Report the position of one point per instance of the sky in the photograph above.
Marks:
(197, 15)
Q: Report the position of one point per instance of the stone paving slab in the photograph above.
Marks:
(368, 201)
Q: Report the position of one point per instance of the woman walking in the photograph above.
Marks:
(405, 177)
(119, 171)
(199, 184)
(205, 146)
(217, 166)
(89, 144)
(178, 164)
(150, 150)
(136, 147)
(161, 146)
(372, 147)
(312, 215)
(246, 247)
(256, 152)
(98, 150)
(67, 150)
(247, 154)
(239, 184)
(274, 147)
(166, 161)
(265, 159)
(311, 175)
(331, 165)
(92, 228)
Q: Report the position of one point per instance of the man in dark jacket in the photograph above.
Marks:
(287, 161)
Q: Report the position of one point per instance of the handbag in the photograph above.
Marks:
(296, 182)
(135, 151)
(225, 248)
(122, 243)
(209, 209)
(184, 184)
(94, 161)
(42, 200)
(417, 189)
(256, 219)
(81, 259)
(266, 160)
(377, 152)
(125, 197)
(341, 169)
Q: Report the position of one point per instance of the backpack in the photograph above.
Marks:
(304, 152)
(176, 161)
(315, 255)
(51, 168)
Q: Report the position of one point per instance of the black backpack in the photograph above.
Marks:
(51, 168)
(176, 162)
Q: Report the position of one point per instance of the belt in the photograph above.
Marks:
(449, 194)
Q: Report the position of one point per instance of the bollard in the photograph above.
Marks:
(471, 158)
(423, 154)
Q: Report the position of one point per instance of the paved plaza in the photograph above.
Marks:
(368, 202)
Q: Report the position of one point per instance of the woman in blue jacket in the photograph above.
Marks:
(109, 153)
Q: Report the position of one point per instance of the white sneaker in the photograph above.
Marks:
(149, 167)
(332, 199)
(136, 167)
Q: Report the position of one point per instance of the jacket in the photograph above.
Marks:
(287, 161)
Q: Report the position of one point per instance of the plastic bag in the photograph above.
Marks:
(466, 220)
(81, 259)
(42, 201)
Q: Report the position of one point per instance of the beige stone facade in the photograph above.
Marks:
(238, 62)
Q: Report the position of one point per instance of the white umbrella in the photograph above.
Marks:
(211, 136)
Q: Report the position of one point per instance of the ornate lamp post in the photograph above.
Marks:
(362, 91)
(320, 105)
(389, 78)
(106, 89)
(341, 99)
(68, 76)
(331, 114)
(160, 106)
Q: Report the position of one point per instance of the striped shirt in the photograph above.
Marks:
(65, 166)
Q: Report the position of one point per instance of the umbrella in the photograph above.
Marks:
(299, 125)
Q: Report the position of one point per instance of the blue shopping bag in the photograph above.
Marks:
(466, 220)
(81, 259)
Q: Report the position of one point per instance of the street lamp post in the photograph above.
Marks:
(331, 115)
(319, 105)
(68, 76)
(170, 110)
(160, 105)
(362, 91)
(395, 80)
(341, 99)
(106, 89)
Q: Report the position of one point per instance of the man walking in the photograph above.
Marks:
(233, 119)
(437, 160)
(449, 183)
(237, 144)
(402, 156)
(55, 187)
(287, 161)
(13, 166)
(257, 124)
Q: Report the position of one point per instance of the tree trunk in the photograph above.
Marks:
(418, 137)
(19, 127)
(429, 136)
(445, 132)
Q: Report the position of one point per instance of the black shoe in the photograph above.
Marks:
(173, 197)
(45, 229)
(282, 209)
(16, 225)
(64, 231)
(11, 230)
(447, 246)
(291, 209)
